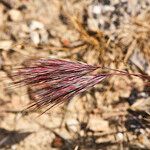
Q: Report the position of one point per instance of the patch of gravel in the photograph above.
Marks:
(108, 15)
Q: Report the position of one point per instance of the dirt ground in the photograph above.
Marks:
(114, 114)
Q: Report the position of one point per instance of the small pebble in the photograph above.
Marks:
(72, 124)
(15, 15)
(1, 62)
(119, 136)
(35, 37)
(34, 25)
(97, 9)
(5, 44)
(96, 123)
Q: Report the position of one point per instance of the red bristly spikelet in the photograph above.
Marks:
(55, 81)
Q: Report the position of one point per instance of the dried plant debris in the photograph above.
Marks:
(142, 105)
(9, 138)
(134, 36)
(140, 61)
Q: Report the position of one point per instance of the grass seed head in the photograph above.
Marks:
(55, 81)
